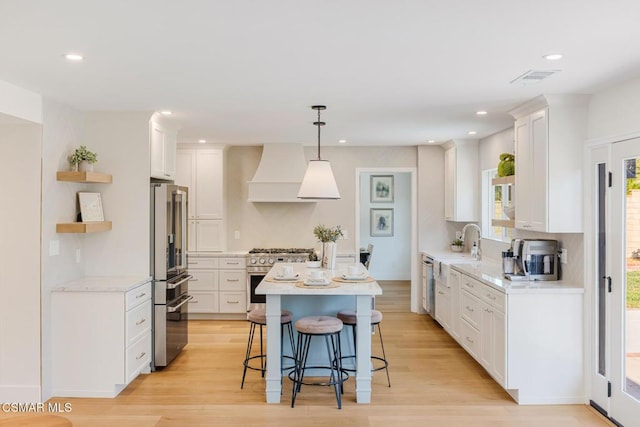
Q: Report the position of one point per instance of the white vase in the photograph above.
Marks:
(85, 166)
(329, 253)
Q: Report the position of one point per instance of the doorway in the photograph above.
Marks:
(386, 204)
(615, 281)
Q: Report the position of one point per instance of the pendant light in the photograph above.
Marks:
(318, 182)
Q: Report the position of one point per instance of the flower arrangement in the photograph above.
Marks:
(506, 167)
(327, 234)
(457, 242)
(82, 154)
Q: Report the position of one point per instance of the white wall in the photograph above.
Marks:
(20, 103)
(291, 224)
(121, 141)
(613, 112)
(21, 150)
(391, 258)
(433, 230)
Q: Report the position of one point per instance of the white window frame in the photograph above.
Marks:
(487, 206)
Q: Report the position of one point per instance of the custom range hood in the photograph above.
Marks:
(279, 174)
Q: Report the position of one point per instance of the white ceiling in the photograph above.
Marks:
(247, 71)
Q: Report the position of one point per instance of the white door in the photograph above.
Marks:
(598, 283)
(625, 279)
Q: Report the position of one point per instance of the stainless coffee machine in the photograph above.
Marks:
(532, 259)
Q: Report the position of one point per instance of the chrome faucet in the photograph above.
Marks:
(478, 254)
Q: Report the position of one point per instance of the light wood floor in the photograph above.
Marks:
(433, 383)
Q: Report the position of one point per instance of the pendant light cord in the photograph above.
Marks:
(318, 124)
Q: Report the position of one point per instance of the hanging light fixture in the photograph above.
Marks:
(318, 182)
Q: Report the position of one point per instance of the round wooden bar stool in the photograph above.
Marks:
(319, 326)
(349, 318)
(258, 318)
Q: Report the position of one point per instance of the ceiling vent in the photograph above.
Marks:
(533, 76)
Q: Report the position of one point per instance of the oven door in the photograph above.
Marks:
(253, 280)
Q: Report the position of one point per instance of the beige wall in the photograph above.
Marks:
(291, 224)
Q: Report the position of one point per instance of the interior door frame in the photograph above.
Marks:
(415, 272)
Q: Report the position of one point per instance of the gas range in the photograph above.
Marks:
(265, 258)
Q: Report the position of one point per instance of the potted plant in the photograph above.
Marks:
(328, 237)
(457, 245)
(82, 159)
(314, 261)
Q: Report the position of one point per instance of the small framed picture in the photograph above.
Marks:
(381, 188)
(381, 222)
(90, 207)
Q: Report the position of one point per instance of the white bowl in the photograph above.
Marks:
(312, 264)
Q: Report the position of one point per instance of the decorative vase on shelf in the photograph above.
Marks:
(456, 248)
(329, 253)
(85, 166)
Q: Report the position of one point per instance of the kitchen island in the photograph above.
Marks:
(306, 301)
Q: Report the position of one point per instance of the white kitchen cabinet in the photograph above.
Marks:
(101, 330)
(443, 305)
(162, 147)
(549, 137)
(461, 180)
(201, 170)
(220, 284)
(528, 340)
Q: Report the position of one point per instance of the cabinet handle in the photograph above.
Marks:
(193, 280)
(491, 297)
(141, 295)
(232, 263)
(192, 262)
(470, 340)
(468, 284)
(233, 280)
(141, 355)
(233, 302)
(441, 293)
(141, 321)
(488, 311)
(193, 301)
(469, 308)
(166, 174)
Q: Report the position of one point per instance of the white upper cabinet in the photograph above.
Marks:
(461, 180)
(162, 147)
(549, 141)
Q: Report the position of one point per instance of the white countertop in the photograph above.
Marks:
(103, 284)
(490, 273)
(267, 287)
(446, 255)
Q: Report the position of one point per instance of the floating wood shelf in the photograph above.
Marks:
(504, 180)
(96, 177)
(508, 223)
(83, 227)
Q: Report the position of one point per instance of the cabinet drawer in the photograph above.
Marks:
(233, 302)
(470, 339)
(203, 280)
(194, 263)
(233, 280)
(138, 295)
(233, 262)
(494, 298)
(138, 322)
(138, 357)
(203, 302)
(470, 309)
(471, 285)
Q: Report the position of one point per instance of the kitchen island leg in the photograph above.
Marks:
(274, 373)
(363, 345)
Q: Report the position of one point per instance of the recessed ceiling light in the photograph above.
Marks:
(472, 132)
(342, 141)
(166, 113)
(74, 57)
(481, 113)
(431, 141)
(202, 141)
(553, 56)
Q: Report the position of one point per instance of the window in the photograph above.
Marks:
(495, 198)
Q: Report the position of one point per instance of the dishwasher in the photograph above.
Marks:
(428, 286)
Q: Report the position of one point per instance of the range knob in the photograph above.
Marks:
(252, 261)
(299, 259)
(271, 261)
(262, 261)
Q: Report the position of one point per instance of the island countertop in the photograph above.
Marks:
(270, 287)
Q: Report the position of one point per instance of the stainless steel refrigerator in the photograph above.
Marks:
(168, 268)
